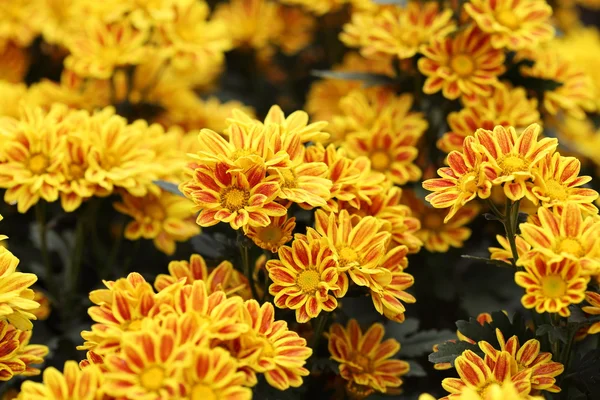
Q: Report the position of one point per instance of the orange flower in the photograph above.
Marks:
(557, 182)
(477, 374)
(43, 312)
(466, 178)
(593, 299)
(72, 383)
(565, 234)
(17, 356)
(282, 353)
(506, 106)
(513, 24)
(240, 198)
(166, 218)
(303, 277)
(528, 357)
(220, 278)
(274, 235)
(551, 286)
(514, 157)
(464, 65)
(364, 359)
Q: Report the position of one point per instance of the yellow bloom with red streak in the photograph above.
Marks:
(551, 286)
(514, 25)
(43, 312)
(504, 253)
(593, 308)
(72, 383)
(364, 358)
(514, 157)
(165, 218)
(528, 357)
(273, 236)
(17, 356)
(506, 106)
(477, 374)
(465, 65)
(319, 7)
(304, 276)
(240, 198)
(557, 182)
(17, 299)
(564, 234)
(220, 278)
(399, 31)
(497, 391)
(15, 62)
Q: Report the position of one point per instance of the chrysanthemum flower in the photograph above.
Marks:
(399, 31)
(364, 359)
(303, 277)
(281, 353)
(551, 286)
(219, 278)
(464, 65)
(388, 295)
(16, 301)
(514, 157)
(149, 365)
(10, 102)
(240, 198)
(497, 391)
(99, 47)
(513, 24)
(298, 30)
(166, 218)
(17, 355)
(593, 299)
(320, 7)
(213, 374)
(565, 234)
(72, 383)
(15, 62)
(504, 253)
(466, 178)
(359, 246)
(477, 374)
(557, 182)
(506, 106)
(576, 93)
(528, 357)
(43, 312)
(274, 235)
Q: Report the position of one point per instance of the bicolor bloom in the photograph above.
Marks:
(551, 286)
(304, 276)
(593, 308)
(504, 253)
(514, 157)
(514, 25)
(17, 356)
(464, 65)
(273, 236)
(364, 358)
(16, 298)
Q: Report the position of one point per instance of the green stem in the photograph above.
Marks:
(40, 213)
(495, 210)
(76, 258)
(565, 354)
(112, 258)
(247, 269)
(318, 328)
(511, 219)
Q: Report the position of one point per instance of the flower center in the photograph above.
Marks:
(239, 153)
(380, 160)
(362, 362)
(462, 65)
(308, 281)
(38, 163)
(76, 171)
(508, 19)
(571, 246)
(289, 178)
(152, 378)
(267, 347)
(554, 286)
(233, 198)
(270, 234)
(155, 212)
(433, 220)
(510, 164)
(555, 190)
(348, 257)
(201, 391)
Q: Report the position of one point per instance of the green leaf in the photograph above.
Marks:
(400, 330)
(585, 373)
(477, 332)
(555, 333)
(489, 261)
(415, 370)
(447, 352)
(366, 78)
(169, 187)
(422, 342)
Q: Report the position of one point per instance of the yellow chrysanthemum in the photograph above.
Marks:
(593, 308)
(19, 21)
(297, 32)
(43, 312)
(364, 359)
(17, 356)
(464, 65)
(551, 286)
(504, 253)
(12, 94)
(513, 24)
(14, 62)
(166, 218)
(16, 304)
(274, 235)
(72, 383)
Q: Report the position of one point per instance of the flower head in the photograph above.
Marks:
(593, 308)
(18, 357)
(16, 304)
(274, 235)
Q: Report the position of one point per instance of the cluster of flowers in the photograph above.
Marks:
(362, 233)
(17, 308)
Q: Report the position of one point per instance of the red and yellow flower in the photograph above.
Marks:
(365, 359)
(17, 356)
(504, 253)
(274, 235)
(303, 277)
(514, 25)
(464, 65)
(17, 299)
(593, 308)
(551, 286)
